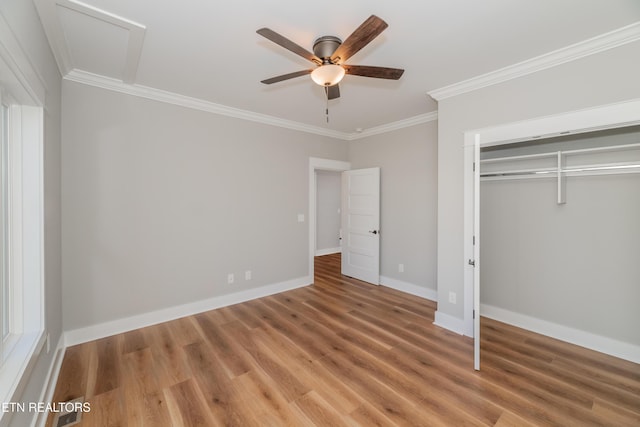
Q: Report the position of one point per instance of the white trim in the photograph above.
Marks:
(329, 164)
(409, 288)
(606, 41)
(33, 218)
(601, 117)
(24, 359)
(27, 80)
(449, 322)
(50, 385)
(28, 92)
(469, 248)
(136, 34)
(328, 251)
(115, 85)
(476, 258)
(47, 10)
(316, 163)
(585, 339)
(101, 330)
(26, 250)
(400, 124)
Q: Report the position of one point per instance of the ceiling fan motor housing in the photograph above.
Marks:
(325, 46)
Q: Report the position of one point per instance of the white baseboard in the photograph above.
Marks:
(409, 288)
(93, 332)
(52, 379)
(450, 322)
(588, 340)
(328, 251)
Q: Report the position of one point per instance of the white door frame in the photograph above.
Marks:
(316, 164)
(597, 118)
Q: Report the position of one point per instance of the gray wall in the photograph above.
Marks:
(408, 194)
(537, 256)
(575, 264)
(603, 78)
(328, 202)
(161, 202)
(25, 24)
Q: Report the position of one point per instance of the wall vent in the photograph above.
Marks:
(64, 419)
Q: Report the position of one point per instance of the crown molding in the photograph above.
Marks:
(400, 124)
(115, 85)
(606, 41)
(22, 78)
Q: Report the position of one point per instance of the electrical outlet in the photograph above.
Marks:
(247, 275)
(230, 278)
(300, 217)
(452, 297)
(400, 268)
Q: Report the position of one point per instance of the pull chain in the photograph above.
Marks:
(326, 111)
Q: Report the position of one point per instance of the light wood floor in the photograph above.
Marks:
(342, 352)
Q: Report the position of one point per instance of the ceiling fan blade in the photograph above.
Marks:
(362, 36)
(288, 44)
(334, 92)
(286, 77)
(376, 72)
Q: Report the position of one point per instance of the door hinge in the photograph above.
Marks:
(474, 240)
(472, 262)
(474, 314)
(474, 166)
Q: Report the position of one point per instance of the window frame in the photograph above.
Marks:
(23, 246)
(5, 318)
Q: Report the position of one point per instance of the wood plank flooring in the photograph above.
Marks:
(342, 353)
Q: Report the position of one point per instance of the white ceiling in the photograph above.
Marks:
(209, 50)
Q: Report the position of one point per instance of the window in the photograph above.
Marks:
(22, 96)
(9, 318)
(21, 242)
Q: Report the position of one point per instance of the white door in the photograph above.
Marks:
(476, 255)
(361, 224)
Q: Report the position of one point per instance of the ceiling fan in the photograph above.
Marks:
(330, 53)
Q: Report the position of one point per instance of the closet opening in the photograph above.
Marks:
(552, 207)
(561, 235)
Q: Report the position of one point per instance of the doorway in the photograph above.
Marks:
(328, 212)
(318, 165)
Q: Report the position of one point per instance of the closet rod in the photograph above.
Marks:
(597, 149)
(521, 157)
(545, 171)
(582, 170)
(602, 167)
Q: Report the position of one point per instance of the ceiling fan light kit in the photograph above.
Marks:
(328, 75)
(329, 55)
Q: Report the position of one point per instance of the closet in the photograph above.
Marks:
(560, 227)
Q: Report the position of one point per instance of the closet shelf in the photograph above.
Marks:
(560, 171)
(591, 169)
